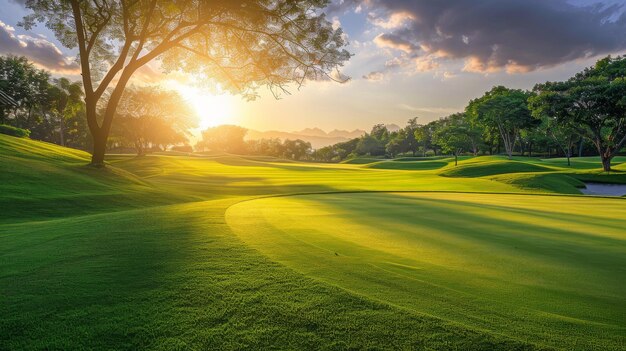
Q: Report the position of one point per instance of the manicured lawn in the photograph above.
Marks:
(541, 269)
(197, 252)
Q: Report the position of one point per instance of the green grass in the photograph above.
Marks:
(515, 265)
(408, 165)
(481, 169)
(42, 181)
(361, 160)
(559, 183)
(212, 251)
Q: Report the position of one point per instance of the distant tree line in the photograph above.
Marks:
(53, 110)
(583, 115)
(151, 119)
(231, 139)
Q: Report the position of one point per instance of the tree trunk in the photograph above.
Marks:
(99, 148)
(456, 159)
(606, 163)
(509, 151)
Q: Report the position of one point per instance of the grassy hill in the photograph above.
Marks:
(42, 181)
(215, 251)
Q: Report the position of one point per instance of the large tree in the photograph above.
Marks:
(411, 128)
(399, 143)
(454, 135)
(423, 137)
(592, 102)
(152, 117)
(296, 149)
(28, 86)
(66, 100)
(224, 138)
(370, 145)
(240, 44)
(504, 109)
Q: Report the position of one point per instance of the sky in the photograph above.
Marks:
(411, 58)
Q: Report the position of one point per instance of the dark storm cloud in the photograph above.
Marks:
(38, 50)
(516, 35)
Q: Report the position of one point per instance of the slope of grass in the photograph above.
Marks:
(481, 169)
(419, 158)
(584, 162)
(361, 160)
(139, 256)
(543, 182)
(542, 269)
(40, 181)
(175, 277)
(613, 178)
(407, 165)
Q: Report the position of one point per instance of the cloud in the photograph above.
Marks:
(39, 50)
(493, 35)
(341, 6)
(448, 75)
(395, 20)
(374, 76)
(394, 42)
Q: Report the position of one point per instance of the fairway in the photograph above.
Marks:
(235, 252)
(441, 179)
(543, 269)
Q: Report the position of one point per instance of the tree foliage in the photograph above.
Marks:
(505, 109)
(51, 109)
(66, 100)
(453, 135)
(224, 138)
(592, 102)
(152, 117)
(240, 45)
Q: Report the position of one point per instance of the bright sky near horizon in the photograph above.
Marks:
(412, 58)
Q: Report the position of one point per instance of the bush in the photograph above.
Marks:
(13, 131)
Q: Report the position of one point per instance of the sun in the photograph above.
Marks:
(212, 110)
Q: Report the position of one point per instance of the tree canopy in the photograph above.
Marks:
(152, 117)
(240, 45)
(506, 109)
(592, 102)
(453, 136)
(224, 138)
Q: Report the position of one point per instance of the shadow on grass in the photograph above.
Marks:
(175, 277)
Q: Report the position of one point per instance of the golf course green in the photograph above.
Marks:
(218, 251)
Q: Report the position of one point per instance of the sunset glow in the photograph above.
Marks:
(212, 109)
(306, 174)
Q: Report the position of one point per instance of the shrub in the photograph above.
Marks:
(13, 131)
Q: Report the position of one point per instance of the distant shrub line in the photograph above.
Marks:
(14, 131)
